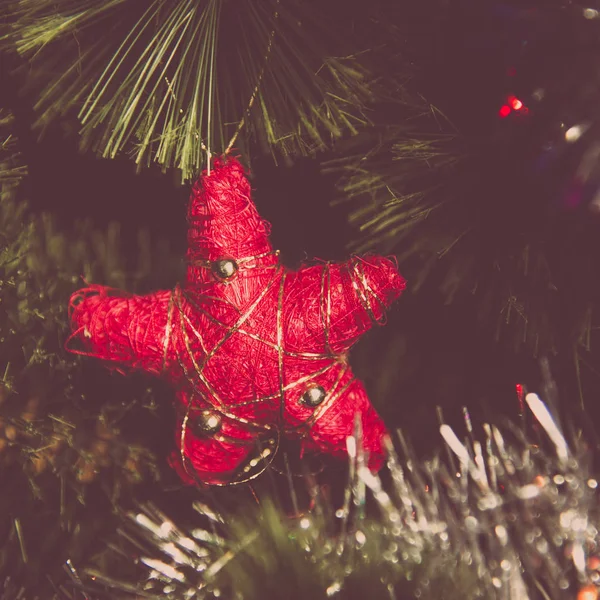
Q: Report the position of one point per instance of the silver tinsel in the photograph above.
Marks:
(505, 515)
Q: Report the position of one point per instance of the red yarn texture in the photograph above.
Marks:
(246, 348)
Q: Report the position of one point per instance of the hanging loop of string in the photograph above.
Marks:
(206, 147)
(256, 88)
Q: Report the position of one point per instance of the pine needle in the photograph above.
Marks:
(464, 222)
(172, 82)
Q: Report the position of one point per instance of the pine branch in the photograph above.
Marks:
(12, 171)
(68, 451)
(176, 80)
(498, 213)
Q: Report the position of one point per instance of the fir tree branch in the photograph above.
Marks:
(175, 80)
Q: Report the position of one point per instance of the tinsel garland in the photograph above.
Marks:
(505, 515)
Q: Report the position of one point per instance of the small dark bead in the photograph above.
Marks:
(313, 396)
(224, 268)
(205, 423)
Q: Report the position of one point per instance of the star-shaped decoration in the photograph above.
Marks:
(254, 350)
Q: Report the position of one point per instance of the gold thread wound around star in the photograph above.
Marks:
(244, 317)
(280, 348)
(332, 396)
(210, 396)
(241, 331)
(364, 293)
(241, 262)
(269, 451)
(326, 306)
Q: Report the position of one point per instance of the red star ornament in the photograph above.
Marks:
(253, 349)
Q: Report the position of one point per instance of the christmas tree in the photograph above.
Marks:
(459, 137)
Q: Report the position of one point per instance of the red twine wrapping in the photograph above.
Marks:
(254, 350)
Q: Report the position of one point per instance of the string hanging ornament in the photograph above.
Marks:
(254, 351)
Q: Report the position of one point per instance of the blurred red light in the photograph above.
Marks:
(516, 104)
(504, 111)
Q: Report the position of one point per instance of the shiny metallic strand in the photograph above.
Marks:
(513, 520)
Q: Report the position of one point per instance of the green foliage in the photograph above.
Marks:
(175, 80)
(68, 451)
(390, 175)
(11, 169)
(467, 224)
